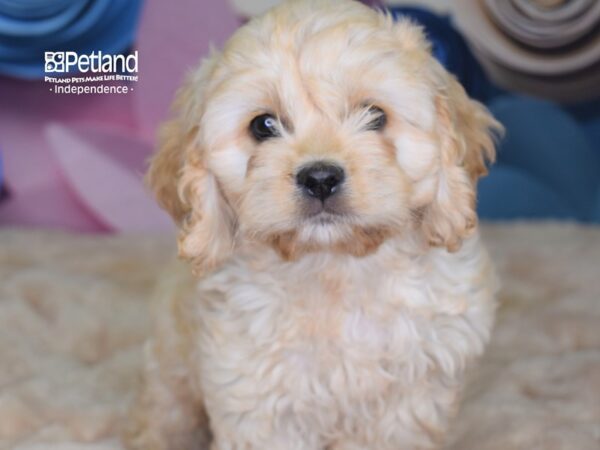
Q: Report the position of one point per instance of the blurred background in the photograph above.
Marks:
(75, 162)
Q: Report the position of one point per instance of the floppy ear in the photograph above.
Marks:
(183, 185)
(465, 132)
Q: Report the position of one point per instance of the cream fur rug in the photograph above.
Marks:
(74, 313)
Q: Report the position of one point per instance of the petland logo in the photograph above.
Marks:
(104, 67)
(62, 62)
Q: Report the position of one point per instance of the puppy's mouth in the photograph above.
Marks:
(325, 212)
(325, 218)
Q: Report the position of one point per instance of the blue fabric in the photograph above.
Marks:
(28, 28)
(450, 48)
(547, 166)
(549, 161)
(511, 192)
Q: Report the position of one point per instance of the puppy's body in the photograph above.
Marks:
(328, 353)
(336, 313)
(340, 353)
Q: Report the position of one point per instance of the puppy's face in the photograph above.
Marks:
(322, 126)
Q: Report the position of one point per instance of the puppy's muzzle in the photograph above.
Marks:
(320, 180)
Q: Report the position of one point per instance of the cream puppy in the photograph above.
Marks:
(322, 173)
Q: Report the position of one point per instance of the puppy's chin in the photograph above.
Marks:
(324, 229)
(328, 233)
(332, 226)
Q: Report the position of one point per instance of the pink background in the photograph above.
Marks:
(76, 162)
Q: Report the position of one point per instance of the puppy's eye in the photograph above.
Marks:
(264, 127)
(379, 119)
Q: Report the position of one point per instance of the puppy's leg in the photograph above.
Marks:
(415, 418)
(165, 415)
(276, 441)
(245, 414)
(260, 429)
(420, 419)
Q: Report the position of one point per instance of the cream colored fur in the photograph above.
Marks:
(346, 334)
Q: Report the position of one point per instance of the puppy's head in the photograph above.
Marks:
(322, 126)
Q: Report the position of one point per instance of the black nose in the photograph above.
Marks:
(320, 180)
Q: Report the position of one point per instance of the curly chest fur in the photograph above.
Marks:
(308, 337)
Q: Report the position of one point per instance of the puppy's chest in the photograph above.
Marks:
(339, 336)
(348, 319)
(338, 332)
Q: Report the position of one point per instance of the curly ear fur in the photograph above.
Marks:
(184, 187)
(465, 134)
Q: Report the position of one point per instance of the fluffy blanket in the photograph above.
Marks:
(74, 312)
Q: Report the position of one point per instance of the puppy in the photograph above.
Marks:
(321, 170)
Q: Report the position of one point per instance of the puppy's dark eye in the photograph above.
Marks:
(379, 119)
(264, 127)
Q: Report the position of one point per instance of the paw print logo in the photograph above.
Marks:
(54, 61)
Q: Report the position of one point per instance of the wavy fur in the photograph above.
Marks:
(344, 333)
